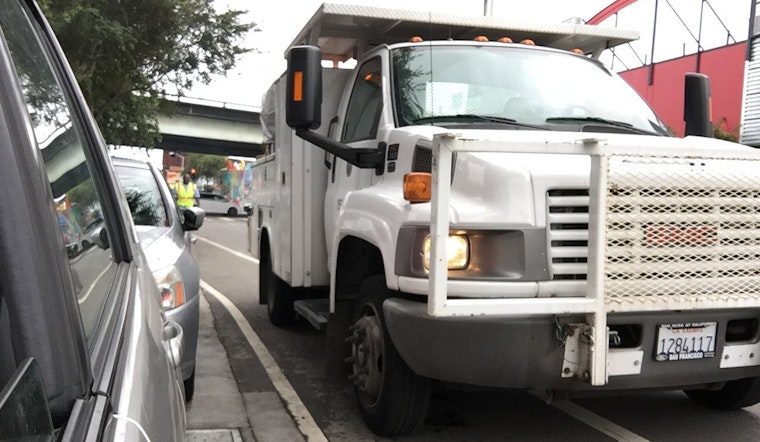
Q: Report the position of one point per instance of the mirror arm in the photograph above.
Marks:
(363, 158)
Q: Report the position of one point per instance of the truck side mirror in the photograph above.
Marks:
(303, 106)
(697, 107)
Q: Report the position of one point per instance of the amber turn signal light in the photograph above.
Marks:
(418, 187)
(298, 86)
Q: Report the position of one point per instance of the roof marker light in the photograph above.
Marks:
(481, 38)
(416, 39)
(505, 40)
(528, 42)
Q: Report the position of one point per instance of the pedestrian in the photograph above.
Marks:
(187, 192)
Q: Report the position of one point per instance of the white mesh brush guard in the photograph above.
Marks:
(682, 233)
(669, 229)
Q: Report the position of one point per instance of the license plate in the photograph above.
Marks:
(686, 341)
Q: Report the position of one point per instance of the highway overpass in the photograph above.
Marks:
(205, 126)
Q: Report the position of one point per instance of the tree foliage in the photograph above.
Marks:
(722, 131)
(128, 54)
(205, 165)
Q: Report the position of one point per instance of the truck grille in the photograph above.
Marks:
(568, 232)
(682, 233)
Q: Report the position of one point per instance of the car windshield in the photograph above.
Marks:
(514, 87)
(143, 196)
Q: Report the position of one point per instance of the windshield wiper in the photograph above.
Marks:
(468, 117)
(613, 123)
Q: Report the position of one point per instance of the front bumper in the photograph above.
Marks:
(525, 352)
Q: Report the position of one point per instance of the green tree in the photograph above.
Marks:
(205, 165)
(722, 131)
(128, 54)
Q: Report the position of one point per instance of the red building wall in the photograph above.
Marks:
(724, 66)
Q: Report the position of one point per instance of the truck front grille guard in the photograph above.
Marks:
(669, 229)
(567, 226)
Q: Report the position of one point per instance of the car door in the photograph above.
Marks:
(90, 317)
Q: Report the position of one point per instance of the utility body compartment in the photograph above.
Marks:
(288, 189)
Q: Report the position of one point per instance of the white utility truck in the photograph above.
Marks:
(501, 214)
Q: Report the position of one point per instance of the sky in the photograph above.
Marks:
(280, 20)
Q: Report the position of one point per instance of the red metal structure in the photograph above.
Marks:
(612, 9)
(662, 84)
(724, 66)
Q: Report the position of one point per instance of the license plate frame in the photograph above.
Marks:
(685, 341)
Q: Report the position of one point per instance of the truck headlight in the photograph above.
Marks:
(169, 281)
(457, 251)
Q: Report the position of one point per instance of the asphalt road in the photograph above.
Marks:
(323, 408)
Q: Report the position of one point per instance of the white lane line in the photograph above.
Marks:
(597, 422)
(227, 249)
(94, 283)
(301, 415)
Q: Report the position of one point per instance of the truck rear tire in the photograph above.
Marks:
(734, 395)
(279, 299)
(393, 400)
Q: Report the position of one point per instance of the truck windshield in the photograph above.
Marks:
(449, 85)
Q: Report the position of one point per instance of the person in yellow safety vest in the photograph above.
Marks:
(187, 192)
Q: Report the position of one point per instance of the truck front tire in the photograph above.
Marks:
(734, 395)
(393, 400)
(277, 292)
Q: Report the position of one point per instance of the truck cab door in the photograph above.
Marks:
(361, 120)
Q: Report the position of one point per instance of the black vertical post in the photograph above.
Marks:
(699, 37)
(751, 31)
(654, 36)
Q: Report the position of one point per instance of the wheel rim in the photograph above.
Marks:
(368, 356)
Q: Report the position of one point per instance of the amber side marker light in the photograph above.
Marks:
(298, 86)
(417, 187)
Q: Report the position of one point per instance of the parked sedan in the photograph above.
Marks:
(86, 352)
(163, 232)
(217, 203)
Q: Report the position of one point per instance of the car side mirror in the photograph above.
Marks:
(192, 218)
(24, 409)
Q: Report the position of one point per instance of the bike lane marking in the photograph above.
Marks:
(228, 250)
(303, 419)
(595, 421)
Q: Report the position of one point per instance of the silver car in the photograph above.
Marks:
(86, 350)
(163, 231)
(217, 203)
